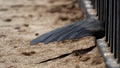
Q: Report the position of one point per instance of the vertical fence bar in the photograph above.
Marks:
(98, 7)
(106, 19)
(101, 10)
(107, 16)
(96, 1)
(103, 18)
(118, 31)
(110, 25)
(93, 3)
(114, 28)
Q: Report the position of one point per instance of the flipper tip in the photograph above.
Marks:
(33, 42)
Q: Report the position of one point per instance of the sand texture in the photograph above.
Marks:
(23, 20)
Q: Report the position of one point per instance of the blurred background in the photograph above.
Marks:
(23, 20)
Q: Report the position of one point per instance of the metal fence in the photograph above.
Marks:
(108, 11)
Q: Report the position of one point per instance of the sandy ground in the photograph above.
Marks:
(23, 20)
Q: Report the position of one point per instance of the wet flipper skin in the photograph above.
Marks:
(78, 29)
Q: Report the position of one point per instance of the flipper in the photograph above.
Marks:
(78, 29)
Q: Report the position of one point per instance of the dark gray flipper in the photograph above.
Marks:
(77, 29)
(52, 33)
